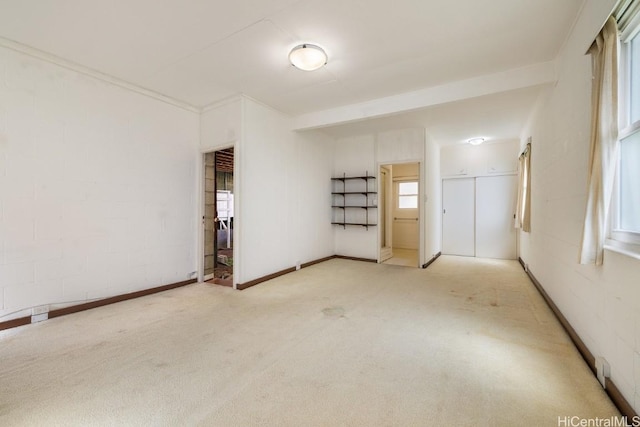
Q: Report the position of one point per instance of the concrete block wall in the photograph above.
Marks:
(601, 303)
(97, 187)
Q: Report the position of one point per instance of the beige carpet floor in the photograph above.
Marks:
(466, 342)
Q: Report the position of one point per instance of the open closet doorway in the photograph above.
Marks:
(399, 206)
(218, 218)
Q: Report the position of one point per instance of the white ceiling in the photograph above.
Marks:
(200, 52)
(496, 117)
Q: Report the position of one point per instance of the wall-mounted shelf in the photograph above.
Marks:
(359, 207)
(351, 196)
(364, 193)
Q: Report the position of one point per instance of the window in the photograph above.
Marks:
(633, 52)
(629, 184)
(625, 218)
(408, 195)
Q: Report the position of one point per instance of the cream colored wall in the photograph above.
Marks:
(406, 231)
(406, 170)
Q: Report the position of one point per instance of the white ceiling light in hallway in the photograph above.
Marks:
(308, 57)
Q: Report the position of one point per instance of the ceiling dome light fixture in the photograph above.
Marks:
(307, 57)
(476, 141)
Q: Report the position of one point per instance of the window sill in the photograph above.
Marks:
(629, 249)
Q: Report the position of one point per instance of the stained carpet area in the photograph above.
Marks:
(467, 342)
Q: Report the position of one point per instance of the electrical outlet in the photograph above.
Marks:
(39, 317)
(40, 310)
(298, 265)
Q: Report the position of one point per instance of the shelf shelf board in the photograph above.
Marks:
(361, 207)
(354, 223)
(342, 193)
(346, 178)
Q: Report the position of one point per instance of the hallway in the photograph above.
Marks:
(404, 257)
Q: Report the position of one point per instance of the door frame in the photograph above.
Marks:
(421, 206)
(200, 173)
(385, 252)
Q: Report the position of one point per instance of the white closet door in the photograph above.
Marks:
(458, 216)
(495, 206)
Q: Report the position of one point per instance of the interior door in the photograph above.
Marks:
(495, 208)
(386, 236)
(458, 216)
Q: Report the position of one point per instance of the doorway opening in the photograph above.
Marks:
(218, 217)
(399, 205)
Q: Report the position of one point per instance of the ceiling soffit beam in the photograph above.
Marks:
(520, 78)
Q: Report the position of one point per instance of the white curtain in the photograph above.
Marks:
(523, 209)
(604, 142)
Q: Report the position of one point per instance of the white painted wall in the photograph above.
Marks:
(221, 125)
(266, 159)
(358, 154)
(97, 188)
(480, 160)
(602, 303)
(284, 195)
(355, 156)
(313, 233)
(401, 145)
(432, 199)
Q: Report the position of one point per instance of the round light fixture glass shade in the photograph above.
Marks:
(476, 141)
(307, 57)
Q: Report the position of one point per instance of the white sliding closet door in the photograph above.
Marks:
(495, 207)
(458, 216)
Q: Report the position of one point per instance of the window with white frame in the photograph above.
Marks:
(625, 224)
(408, 195)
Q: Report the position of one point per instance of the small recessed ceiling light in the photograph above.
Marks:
(476, 141)
(307, 57)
